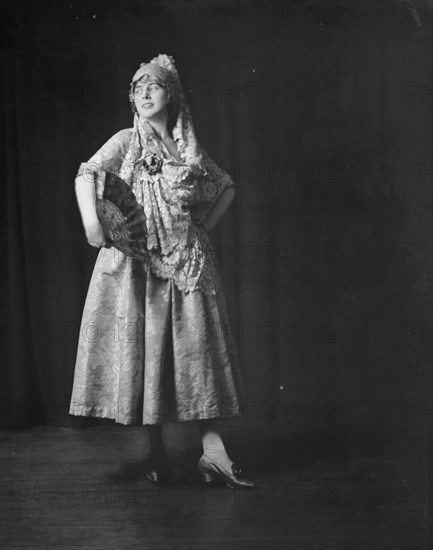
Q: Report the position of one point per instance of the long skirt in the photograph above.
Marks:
(149, 353)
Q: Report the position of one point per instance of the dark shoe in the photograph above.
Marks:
(156, 471)
(153, 475)
(210, 470)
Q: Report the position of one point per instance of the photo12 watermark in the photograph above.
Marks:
(417, 411)
(416, 92)
(275, 332)
(416, 252)
(415, 493)
(315, 492)
(416, 171)
(255, 92)
(322, 12)
(69, 493)
(416, 332)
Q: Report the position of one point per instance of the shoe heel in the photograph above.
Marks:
(206, 478)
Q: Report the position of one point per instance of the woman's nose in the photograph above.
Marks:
(147, 95)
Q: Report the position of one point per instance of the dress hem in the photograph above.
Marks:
(204, 416)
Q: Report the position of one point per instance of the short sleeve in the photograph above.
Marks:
(109, 157)
(214, 182)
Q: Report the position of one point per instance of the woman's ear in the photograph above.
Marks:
(132, 103)
(132, 99)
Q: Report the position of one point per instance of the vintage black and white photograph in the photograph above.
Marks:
(217, 246)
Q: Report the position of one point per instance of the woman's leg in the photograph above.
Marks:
(213, 446)
(156, 464)
(156, 443)
(215, 462)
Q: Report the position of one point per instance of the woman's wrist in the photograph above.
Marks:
(207, 225)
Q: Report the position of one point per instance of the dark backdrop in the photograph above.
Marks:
(321, 112)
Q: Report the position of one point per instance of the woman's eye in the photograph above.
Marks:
(141, 89)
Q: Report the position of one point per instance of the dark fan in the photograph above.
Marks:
(122, 218)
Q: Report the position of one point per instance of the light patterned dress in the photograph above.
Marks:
(155, 344)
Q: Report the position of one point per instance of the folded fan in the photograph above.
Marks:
(122, 218)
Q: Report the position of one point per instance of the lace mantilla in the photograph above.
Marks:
(179, 250)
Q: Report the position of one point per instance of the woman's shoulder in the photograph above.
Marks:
(118, 143)
(123, 135)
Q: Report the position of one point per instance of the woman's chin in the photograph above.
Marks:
(149, 114)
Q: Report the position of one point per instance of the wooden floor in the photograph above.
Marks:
(67, 488)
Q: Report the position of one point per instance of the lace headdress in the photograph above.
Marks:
(162, 69)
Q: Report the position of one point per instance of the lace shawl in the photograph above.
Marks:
(179, 250)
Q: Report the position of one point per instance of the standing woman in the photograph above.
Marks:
(155, 345)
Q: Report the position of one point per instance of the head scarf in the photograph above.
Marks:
(162, 69)
(152, 72)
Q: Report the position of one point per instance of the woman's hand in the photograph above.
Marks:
(95, 234)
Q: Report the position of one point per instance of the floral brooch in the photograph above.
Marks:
(152, 163)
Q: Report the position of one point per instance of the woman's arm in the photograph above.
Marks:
(107, 158)
(217, 192)
(218, 210)
(85, 192)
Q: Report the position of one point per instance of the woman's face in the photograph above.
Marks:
(150, 98)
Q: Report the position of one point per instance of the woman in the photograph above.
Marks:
(155, 344)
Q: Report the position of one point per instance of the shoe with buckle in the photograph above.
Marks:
(211, 472)
(156, 470)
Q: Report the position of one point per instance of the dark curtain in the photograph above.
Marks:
(321, 112)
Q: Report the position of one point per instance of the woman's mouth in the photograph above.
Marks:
(147, 105)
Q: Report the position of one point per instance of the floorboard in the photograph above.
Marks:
(84, 489)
